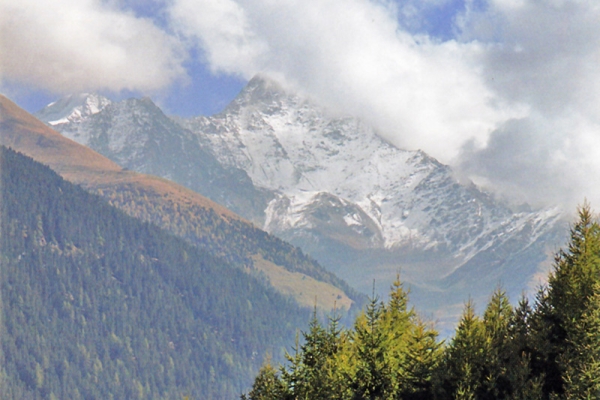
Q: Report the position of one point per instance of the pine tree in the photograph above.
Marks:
(582, 360)
(309, 375)
(524, 384)
(460, 374)
(292, 377)
(421, 360)
(396, 325)
(397, 316)
(267, 385)
(313, 369)
(576, 271)
(496, 321)
(371, 377)
(412, 347)
(566, 300)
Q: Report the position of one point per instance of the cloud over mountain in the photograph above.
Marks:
(543, 55)
(509, 96)
(353, 56)
(511, 100)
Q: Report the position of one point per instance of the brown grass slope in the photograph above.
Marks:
(174, 208)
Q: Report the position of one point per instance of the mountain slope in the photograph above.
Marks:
(171, 206)
(96, 304)
(20, 130)
(138, 136)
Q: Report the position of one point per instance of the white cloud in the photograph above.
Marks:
(222, 30)
(353, 55)
(75, 45)
(543, 54)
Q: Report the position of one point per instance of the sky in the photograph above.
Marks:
(504, 91)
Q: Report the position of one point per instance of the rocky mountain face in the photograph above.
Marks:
(137, 135)
(331, 185)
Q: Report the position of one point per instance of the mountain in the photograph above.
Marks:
(20, 130)
(366, 209)
(138, 136)
(99, 305)
(179, 210)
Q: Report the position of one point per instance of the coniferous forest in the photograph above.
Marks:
(98, 305)
(549, 349)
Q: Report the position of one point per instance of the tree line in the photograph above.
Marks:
(548, 348)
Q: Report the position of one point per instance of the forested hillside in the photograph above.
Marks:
(98, 305)
(236, 241)
(548, 350)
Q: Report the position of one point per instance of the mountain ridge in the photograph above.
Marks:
(289, 145)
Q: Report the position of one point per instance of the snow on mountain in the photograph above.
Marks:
(70, 110)
(290, 146)
(367, 209)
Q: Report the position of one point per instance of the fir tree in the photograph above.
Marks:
(497, 319)
(582, 360)
(524, 384)
(310, 373)
(371, 378)
(267, 385)
(422, 357)
(565, 302)
(460, 375)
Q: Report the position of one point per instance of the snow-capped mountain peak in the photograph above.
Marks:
(73, 108)
(287, 144)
